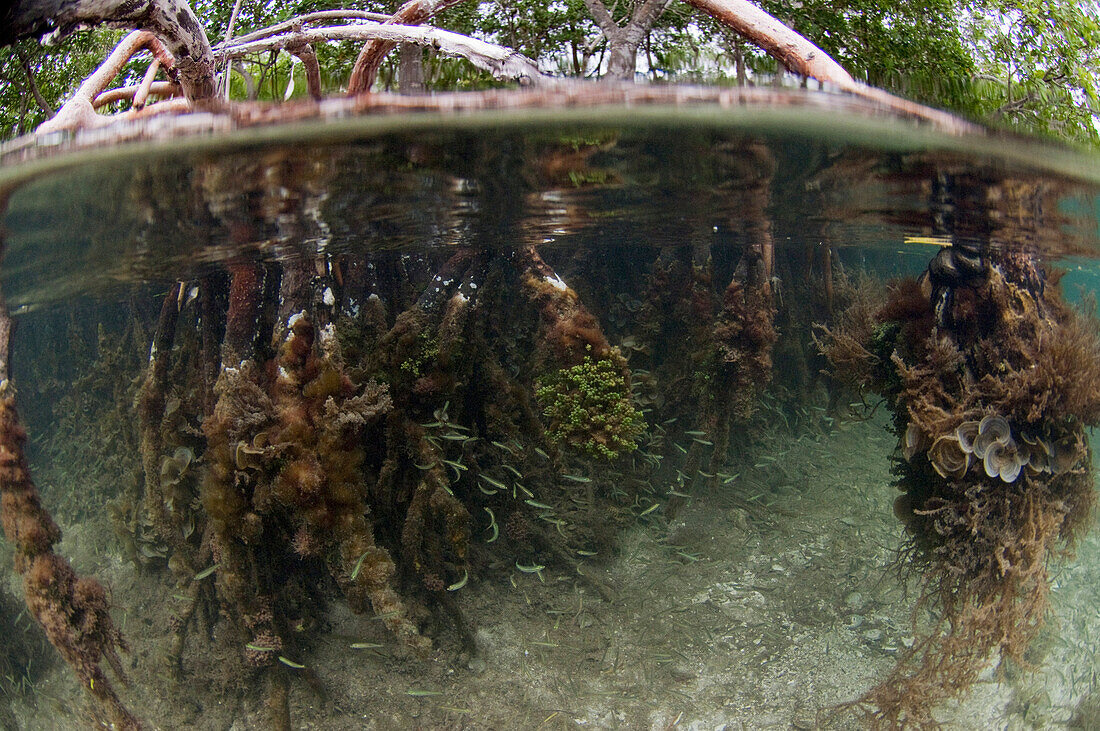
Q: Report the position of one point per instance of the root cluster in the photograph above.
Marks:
(992, 382)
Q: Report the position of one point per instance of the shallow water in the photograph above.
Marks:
(692, 530)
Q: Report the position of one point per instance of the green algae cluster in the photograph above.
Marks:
(589, 407)
(427, 350)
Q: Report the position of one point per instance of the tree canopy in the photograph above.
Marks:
(1027, 64)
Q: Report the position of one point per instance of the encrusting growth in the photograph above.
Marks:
(285, 455)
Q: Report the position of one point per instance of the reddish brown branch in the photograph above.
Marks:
(151, 413)
(308, 57)
(157, 88)
(242, 320)
(79, 111)
(446, 280)
(571, 332)
(370, 58)
(5, 343)
(211, 358)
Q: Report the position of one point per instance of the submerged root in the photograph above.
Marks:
(987, 575)
(991, 395)
(150, 408)
(285, 446)
(72, 610)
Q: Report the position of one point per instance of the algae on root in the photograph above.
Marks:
(992, 380)
(589, 407)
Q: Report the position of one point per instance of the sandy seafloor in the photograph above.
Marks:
(761, 605)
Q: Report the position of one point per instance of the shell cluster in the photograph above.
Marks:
(990, 443)
(173, 469)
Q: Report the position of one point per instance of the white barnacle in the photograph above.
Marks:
(328, 297)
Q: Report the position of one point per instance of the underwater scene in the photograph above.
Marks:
(570, 424)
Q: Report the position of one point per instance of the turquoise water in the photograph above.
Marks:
(521, 424)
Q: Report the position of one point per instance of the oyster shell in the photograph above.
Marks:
(248, 457)
(948, 458)
(967, 432)
(172, 469)
(1064, 454)
(1004, 461)
(1038, 453)
(991, 430)
(915, 441)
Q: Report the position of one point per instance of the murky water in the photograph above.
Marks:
(602, 424)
